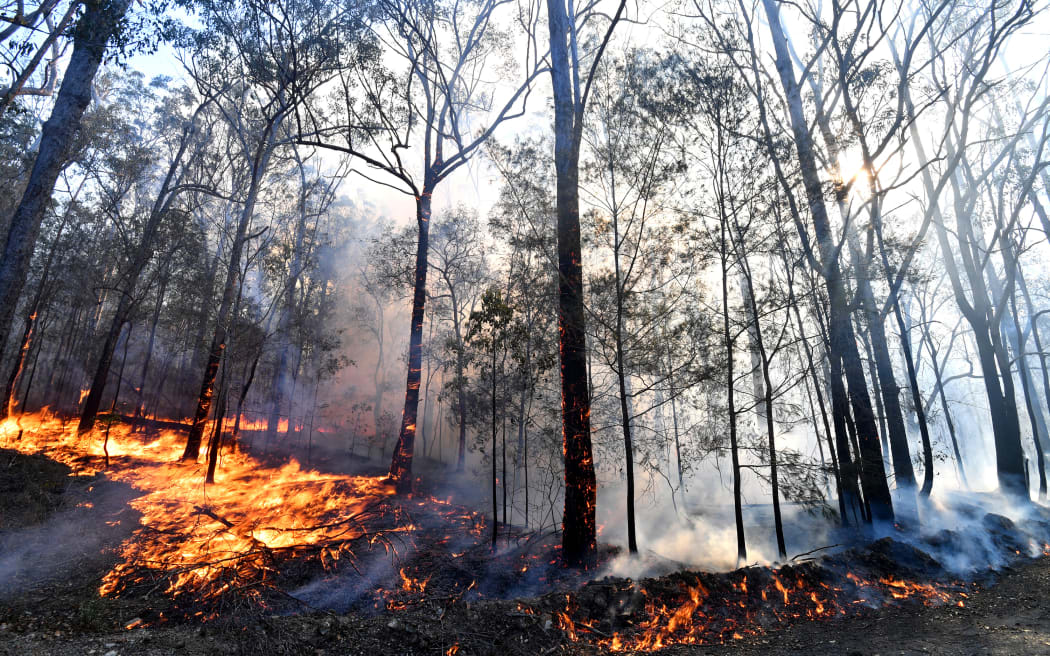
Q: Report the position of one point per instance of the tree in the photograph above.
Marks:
(98, 24)
(428, 105)
(570, 88)
(279, 54)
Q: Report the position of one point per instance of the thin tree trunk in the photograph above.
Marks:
(260, 163)
(401, 464)
(729, 343)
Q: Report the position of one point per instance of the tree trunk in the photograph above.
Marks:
(401, 464)
(100, 20)
(495, 506)
(579, 537)
(767, 397)
(729, 342)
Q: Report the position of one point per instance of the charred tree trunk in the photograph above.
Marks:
(401, 464)
(579, 537)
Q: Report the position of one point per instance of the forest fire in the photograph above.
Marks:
(731, 607)
(198, 540)
(204, 546)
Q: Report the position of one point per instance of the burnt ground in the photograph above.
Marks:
(57, 610)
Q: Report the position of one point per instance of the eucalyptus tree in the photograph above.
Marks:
(417, 115)
(572, 74)
(261, 61)
(99, 23)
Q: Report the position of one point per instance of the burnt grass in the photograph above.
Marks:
(441, 590)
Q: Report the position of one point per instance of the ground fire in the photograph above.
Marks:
(210, 548)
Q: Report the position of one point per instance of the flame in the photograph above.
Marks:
(261, 424)
(83, 395)
(701, 617)
(200, 540)
(409, 584)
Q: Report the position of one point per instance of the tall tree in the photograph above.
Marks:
(98, 24)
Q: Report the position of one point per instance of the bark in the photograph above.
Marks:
(98, 23)
(886, 381)
(401, 464)
(579, 537)
(843, 344)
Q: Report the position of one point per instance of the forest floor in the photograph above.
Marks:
(49, 601)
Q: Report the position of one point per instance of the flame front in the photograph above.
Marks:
(200, 540)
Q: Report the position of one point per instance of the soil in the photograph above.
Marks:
(1007, 613)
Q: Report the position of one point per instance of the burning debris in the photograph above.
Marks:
(262, 530)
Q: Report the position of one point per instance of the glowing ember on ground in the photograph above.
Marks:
(726, 610)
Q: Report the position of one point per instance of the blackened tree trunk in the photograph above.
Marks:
(579, 537)
(260, 163)
(96, 25)
(401, 465)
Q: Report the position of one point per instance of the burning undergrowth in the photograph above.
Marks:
(276, 539)
(337, 541)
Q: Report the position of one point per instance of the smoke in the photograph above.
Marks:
(94, 520)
